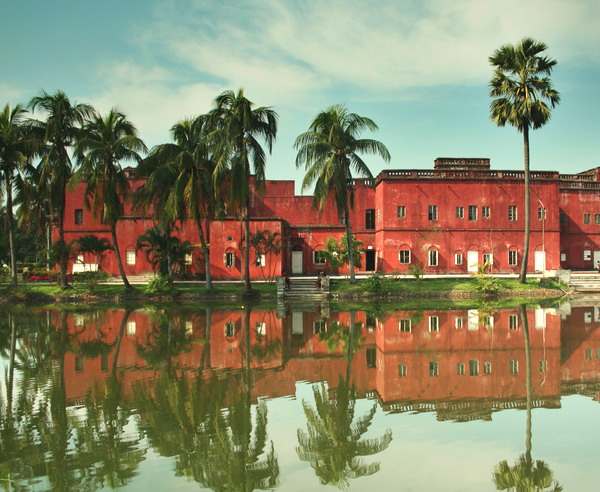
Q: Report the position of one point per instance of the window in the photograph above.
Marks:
(543, 366)
(404, 256)
(79, 259)
(402, 370)
(541, 213)
(189, 327)
(488, 321)
(405, 325)
(460, 368)
(130, 257)
(78, 363)
(597, 353)
(433, 212)
(458, 259)
(514, 366)
(563, 257)
(434, 368)
(596, 218)
(434, 323)
(587, 255)
(433, 257)
(487, 368)
(488, 259)
(460, 212)
(513, 322)
(229, 260)
(261, 328)
(319, 326)
(78, 216)
(229, 329)
(371, 354)
(485, 212)
(587, 317)
(260, 260)
(131, 328)
(588, 354)
(512, 258)
(104, 362)
(512, 213)
(586, 218)
(188, 259)
(370, 218)
(474, 367)
(472, 212)
(319, 257)
(563, 219)
(401, 211)
(458, 323)
(371, 322)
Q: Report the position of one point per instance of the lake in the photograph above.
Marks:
(300, 398)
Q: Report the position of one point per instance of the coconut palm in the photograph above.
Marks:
(105, 143)
(12, 157)
(92, 244)
(524, 97)
(179, 184)
(56, 135)
(329, 151)
(237, 127)
(164, 252)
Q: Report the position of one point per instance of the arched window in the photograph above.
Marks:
(404, 255)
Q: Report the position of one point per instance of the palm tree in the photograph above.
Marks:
(164, 252)
(97, 246)
(179, 184)
(105, 143)
(522, 90)
(12, 157)
(236, 127)
(329, 151)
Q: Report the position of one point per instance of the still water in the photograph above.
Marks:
(257, 399)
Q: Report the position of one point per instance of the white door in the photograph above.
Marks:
(539, 262)
(297, 322)
(297, 258)
(596, 259)
(472, 261)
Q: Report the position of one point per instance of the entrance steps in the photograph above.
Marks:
(585, 281)
(303, 288)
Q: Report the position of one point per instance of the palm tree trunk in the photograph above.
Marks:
(115, 360)
(205, 252)
(11, 231)
(523, 274)
(246, 218)
(349, 245)
(113, 232)
(528, 433)
(64, 283)
(170, 272)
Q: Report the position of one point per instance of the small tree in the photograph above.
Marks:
(266, 243)
(336, 253)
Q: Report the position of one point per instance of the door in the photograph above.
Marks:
(539, 261)
(370, 260)
(297, 322)
(472, 261)
(596, 259)
(297, 260)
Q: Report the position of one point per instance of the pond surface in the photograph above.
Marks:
(253, 399)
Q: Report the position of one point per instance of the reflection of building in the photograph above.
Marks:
(449, 219)
(462, 364)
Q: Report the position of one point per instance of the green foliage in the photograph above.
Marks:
(416, 271)
(378, 284)
(157, 244)
(91, 278)
(158, 285)
(336, 253)
(485, 283)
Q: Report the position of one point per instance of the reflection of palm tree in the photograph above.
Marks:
(526, 475)
(333, 444)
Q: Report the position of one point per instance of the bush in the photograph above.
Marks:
(416, 271)
(91, 278)
(158, 285)
(377, 284)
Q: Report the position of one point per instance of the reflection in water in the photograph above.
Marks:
(87, 394)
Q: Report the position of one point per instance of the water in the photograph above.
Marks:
(249, 399)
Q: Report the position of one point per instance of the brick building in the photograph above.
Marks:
(446, 220)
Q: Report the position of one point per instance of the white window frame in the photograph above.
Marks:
(229, 259)
(432, 257)
(402, 370)
(405, 325)
(401, 211)
(473, 367)
(513, 257)
(400, 252)
(512, 213)
(488, 257)
(587, 255)
(260, 260)
(513, 322)
(317, 258)
(434, 323)
(319, 326)
(229, 329)
(460, 368)
(432, 212)
(460, 212)
(458, 258)
(130, 328)
(472, 213)
(485, 212)
(434, 368)
(587, 218)
(541, 213)
(459, 322)
(130, 257)
(261, 328)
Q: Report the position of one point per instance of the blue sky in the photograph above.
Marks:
(418, 68)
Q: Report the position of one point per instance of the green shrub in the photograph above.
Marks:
(158, 285)
(416, 271)
(91, 279)
(377, 284)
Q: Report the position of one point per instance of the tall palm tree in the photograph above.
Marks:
(237, 127)
(524, 97)
(105, 143)
(329, 151)
(12, 157)
(180, 180)
(57, 134)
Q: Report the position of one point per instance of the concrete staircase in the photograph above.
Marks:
(303, 288)
(585, 281)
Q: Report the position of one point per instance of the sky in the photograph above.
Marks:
(418, 68)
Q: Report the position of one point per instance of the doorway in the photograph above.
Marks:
(297, 260)
(370, 260)
(539, 261)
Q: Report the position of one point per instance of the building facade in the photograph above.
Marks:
(451, 219)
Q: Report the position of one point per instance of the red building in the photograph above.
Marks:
(446, 220)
